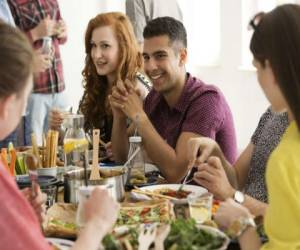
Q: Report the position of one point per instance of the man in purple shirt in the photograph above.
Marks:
(178, 107)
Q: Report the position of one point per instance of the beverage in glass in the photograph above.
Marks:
(200, 206)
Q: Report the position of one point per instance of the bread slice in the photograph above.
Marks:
(61, 221)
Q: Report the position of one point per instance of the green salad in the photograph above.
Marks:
(184, 235)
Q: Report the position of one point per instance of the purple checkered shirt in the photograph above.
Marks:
(27, 15)
(201, 109)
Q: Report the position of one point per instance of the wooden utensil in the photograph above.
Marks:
(95, 173)
(35, 150)
(102, 142)
(32, 165)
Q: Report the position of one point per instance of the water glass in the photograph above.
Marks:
(200, 206)
(51, 192)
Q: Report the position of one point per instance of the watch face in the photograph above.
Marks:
(239, 197)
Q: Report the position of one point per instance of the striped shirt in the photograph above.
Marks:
(201, 109)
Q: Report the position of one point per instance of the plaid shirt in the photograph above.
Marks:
(27, 15)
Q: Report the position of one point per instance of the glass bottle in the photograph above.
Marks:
(75, 141)
(137, 163)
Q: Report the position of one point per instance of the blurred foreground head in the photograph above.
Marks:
(16, 61)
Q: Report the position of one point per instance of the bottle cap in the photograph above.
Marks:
(135, 139)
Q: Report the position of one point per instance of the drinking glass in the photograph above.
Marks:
(200, 206)
(51, 192)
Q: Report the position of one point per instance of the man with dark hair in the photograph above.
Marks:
(179, 106)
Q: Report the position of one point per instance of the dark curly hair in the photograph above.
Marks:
(94, 104)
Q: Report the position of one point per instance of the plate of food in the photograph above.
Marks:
(155, 211)
(184, 234)
(61, 221)
(172, 192)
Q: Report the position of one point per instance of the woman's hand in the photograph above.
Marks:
(212, 176)
(37, 202)
(228, 212)
(116, 99)
(101, 209)
(109, 152)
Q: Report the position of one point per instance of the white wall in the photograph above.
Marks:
(240, 87)
(77, 14)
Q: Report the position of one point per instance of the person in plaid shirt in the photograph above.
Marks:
(40, 19)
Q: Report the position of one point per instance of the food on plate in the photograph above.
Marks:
(106, 173)
(179, 194)
(145, 212)
(128, 240)
(61, 221)
(215, 206)
(184, 235)
(138, 179)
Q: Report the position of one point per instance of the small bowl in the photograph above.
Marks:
(47, 171)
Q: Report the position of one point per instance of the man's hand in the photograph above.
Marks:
(55, 119)
(212, 176)
(133, 106)
(37, 202)
(125, 100)
(200, 149)
(46, 27)
(41, 62)
(61, 29)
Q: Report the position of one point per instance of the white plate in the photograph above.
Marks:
(192, 188)
(62, 244)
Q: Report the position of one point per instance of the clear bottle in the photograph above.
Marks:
(47, 45)
(137, 164)
(75, 141)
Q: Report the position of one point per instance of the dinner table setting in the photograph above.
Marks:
(153, 214)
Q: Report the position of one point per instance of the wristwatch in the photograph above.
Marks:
(239, 197)
(239, 226)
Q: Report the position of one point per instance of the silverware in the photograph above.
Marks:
(32, 165)
(185, 179)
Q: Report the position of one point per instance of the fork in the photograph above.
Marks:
(162, 233)
(147, 236)
(185, 180)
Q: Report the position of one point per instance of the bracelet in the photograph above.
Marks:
(239, 226)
